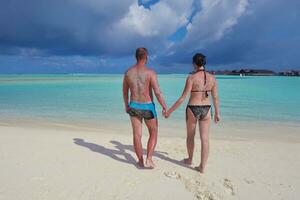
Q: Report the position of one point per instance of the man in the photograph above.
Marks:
(141, 81)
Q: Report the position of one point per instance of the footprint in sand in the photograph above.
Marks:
(197, 187)
(205, 195)
(228, 185)
(193, 185)
(248, 181)
(173, 174)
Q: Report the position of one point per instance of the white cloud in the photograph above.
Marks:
(162, 19)
(211, 22)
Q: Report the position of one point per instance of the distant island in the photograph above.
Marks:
(256, 72)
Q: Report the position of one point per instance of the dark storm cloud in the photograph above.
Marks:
(48, 35)
(267, 36)
(59, 27)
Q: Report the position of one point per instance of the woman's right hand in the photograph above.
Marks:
(217, 117)
(167, 114)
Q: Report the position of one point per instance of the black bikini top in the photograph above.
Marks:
(205, 91)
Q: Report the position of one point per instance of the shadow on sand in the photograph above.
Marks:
(120, 151)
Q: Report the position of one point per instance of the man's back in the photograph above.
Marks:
(139, 82)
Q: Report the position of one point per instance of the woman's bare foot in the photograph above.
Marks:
(200, 169)
(187, 161)
(150, 163)
(140, 163)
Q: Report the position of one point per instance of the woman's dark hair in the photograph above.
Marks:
(199, 59)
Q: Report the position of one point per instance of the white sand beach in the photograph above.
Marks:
(39, 163)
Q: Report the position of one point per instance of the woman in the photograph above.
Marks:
(199, 85)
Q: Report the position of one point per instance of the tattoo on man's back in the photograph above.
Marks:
(139, 79)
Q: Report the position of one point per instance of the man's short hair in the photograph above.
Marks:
(141, 53)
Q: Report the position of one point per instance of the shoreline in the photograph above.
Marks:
(277, 73)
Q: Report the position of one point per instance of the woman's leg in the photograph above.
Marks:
(191, 123)
(204, 126)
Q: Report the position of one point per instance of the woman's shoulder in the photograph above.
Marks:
(211, 79)
(210, 75)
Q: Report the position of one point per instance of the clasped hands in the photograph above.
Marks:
(166, 113)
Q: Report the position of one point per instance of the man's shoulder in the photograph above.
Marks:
(151, 71)
(129, 70)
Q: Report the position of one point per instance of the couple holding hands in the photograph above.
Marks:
(142, 83)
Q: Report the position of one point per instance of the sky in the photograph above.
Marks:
(100, 36)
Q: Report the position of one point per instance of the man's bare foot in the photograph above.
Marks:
(140, 163)
(187, 161)
(200, 169)
(150, 163)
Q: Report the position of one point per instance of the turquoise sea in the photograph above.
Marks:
(95, 99)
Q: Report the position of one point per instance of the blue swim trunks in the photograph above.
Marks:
(142, 110)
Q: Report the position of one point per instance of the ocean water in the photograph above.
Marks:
(96, 99)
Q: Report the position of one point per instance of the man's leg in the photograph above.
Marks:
(152, 126)
(191, 123)
(137, 139)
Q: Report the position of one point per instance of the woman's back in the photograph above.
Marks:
(202, 85)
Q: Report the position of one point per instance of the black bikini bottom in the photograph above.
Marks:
(146, 114)
(200, 112)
